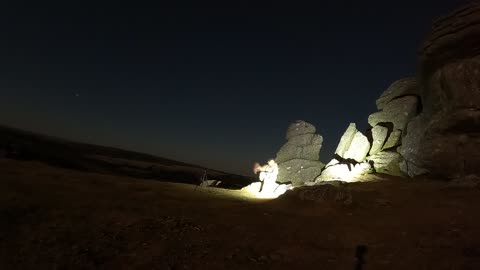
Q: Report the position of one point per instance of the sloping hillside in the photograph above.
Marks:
(24, 145)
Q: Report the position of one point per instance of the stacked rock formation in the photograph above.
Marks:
(444, 140)
(299, 159)
(358, 154)
(398, 105)
(425, 125)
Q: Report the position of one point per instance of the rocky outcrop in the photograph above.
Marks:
(302, 146)
(349, 156)
(398, 105)
(359, 148)
(444, 140)
(453, 37)
(346, 140)
(300, 128)
(357, 154)
(299, 159)
(400, 88)
(394, 140)
(429, 124)
(387, 162)
(398, 112)
(379, 135)
(353, 145)
(299, 171)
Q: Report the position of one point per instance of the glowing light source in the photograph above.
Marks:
(336, 171)
(268, 191)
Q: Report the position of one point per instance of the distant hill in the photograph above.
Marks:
(24, 145)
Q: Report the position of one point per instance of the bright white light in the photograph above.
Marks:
(268, 187)
(269, 190)
(336, 171)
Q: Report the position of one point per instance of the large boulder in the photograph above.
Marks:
(400, 88)
(379, 135)
(445, 145)
(387, 162)
(299, 159)
(346, 140)
(299, 171)
(398, 105)
(444, 140)
(399, 112)
(359, 148)
(453, 37)
(305, 146)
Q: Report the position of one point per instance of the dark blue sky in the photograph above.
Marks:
(214, 84)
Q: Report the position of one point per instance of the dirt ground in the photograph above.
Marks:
(53, 218)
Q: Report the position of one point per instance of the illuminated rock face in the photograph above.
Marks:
(299, 171)
(353, 145)
(359, 148)
(299, 159)
(387, 162)
(444, 140)
(304, 146)
(348, 163)
(398, 105)
(379, 135)
(357, 154)
(394, 139)
(346, 140)
(398, 112)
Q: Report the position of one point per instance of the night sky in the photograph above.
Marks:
(214, 84)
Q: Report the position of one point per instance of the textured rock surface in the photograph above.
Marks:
(411, 169)
(444, 140)
(299, 159)
(299, 171)
(379, 135)
(299, 128)
(394, 139)
(387, 162)
(346, 140)
(400, 88)
(305, 146)
(399, 112)
(305, 139)
(441, 146)
(454, 37)
(411, 146)
(359, 148)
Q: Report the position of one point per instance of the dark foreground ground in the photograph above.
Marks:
(53, 218)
